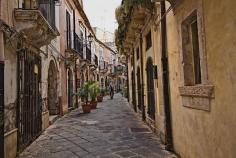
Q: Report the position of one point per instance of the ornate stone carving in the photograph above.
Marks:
(9, 117)
(34, 26)
(197, 97)
(197, 91)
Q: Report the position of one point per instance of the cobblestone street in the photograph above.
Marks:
(110, 131)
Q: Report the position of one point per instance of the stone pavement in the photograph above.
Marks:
(111, 131)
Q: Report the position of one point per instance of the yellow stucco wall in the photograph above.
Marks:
(196, 133)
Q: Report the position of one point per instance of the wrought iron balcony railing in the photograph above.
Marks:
(96, 60)
(74, 43)
(36, 20)
(46, 7)
(88, 54)
(78, 44)
(103, 66)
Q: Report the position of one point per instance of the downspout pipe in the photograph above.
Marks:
(128, 75)
(142, 78)
(2, 109)
(75, 71)
(166, 85)
(134, 97)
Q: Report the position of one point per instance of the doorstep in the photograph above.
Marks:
(53, 118)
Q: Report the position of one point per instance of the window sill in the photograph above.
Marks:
(197, 97)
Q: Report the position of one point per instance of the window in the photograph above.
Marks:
(196, 93)
(68, 30)
(148, 40)
(191, 51)
(196, 55)
(137, 51)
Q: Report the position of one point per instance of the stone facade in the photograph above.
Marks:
(201, 98)
(53, 68)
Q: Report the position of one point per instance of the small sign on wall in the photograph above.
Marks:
(36, 69)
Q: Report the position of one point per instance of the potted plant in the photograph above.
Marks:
(84, 94)
(124, 92)
(101, 95)
(94, 90)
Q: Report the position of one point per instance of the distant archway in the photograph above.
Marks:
(102, 82)
(82, 78)
(52, 90)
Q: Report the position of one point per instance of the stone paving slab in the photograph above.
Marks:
(110, 131)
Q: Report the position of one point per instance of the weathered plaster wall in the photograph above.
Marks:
(1, 47)
(10, 87)
(197, 133)
(52, 56)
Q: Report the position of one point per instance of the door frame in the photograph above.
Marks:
(150, 89)
(29, 100)
(2, 109)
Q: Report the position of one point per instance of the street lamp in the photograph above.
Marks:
(90, 38)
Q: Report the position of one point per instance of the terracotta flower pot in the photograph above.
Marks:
(94, 104)
(100, 98)
(86, 108)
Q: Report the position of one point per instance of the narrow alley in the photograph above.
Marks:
(110, 131)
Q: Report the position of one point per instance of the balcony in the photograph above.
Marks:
(36, 20)
(88, 54)
(113, 71)
(74, 48)
(103, 67)
(96, 60)
(94, 64)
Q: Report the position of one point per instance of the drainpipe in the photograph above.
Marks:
(134, 97)
(75, 71)
(165, 70)
(2, 109)
(142, 78)
(128, 81)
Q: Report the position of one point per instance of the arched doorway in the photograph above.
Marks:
(102, 82)
(86, 76)
(139, 88)
(52, 90)
(82, 79)
(133, 91)
(70, 89)
(150, 89)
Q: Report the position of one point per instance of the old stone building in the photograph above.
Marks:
(48, 50)
(181, 68)
(30, 46)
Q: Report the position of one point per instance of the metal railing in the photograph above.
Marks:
(113, 69)
(88, 54)
(74, 42)
(103, 65)
(78, 44)
(46, 7)
(95, 60)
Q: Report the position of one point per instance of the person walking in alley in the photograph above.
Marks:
(111, 89)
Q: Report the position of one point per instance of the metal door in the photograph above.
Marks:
(139, 89)
(150, 89)
(1, 109)
(29, 108)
